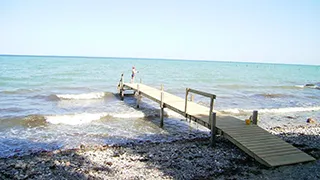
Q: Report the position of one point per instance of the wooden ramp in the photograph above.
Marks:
(253, 140)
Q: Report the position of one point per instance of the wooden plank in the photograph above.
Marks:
(255, 138)
(280, 153)
(256, 143)
(288, 159)
(270, 144)
(247, 133)
(274, 150)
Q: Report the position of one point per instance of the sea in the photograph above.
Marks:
(51, 102)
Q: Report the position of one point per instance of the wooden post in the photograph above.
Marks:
(255, 117)
(213, 129)
(186, 102)
(121, 90)
(121, 94)
(211, 107)
(139, 98)
(161, 107)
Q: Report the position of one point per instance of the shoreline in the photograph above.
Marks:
(183, 159)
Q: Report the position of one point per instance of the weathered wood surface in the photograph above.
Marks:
(253, 140)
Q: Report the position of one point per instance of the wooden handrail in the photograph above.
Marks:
(211, 96)
(202, 93)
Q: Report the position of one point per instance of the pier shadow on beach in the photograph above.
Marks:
(182, 159)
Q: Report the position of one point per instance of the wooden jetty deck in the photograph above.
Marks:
(253, 140)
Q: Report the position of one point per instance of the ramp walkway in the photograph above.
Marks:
(252, 139)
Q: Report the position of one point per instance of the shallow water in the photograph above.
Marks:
(62, 102)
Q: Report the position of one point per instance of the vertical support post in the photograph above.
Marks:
(139, 94)
(121, 94)
(211, 107)
(121, 81)
(161, 107)
(213, 119)
(121, 90)
(255, 117)
(186, 102)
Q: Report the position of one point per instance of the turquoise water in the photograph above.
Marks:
(62, 102)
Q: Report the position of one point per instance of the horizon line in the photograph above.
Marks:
(144, 58)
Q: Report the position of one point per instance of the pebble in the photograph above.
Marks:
(185, 159)
(311, 121)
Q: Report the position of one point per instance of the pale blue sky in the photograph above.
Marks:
(275, 31)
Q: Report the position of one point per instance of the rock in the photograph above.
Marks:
(20, 165)
(109, 163)
(116, 154)
(56, 162)
(311, 121)
(82, 146)
(67, 163)
(309, 85)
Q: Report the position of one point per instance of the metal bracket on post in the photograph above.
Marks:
(213, 119)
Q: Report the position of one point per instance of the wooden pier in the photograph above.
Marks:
(253, 140)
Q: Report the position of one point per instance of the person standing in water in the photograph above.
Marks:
(134, 71)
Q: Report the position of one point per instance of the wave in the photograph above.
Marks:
(28, 121)
(74, 119)
(275, 110)
(84, 118)
(270, 95)
(68, 119)
(19, 91)
(85, 96)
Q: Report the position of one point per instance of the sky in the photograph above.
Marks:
(270, 31)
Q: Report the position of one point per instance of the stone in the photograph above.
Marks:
(67, 163)
(311, 121)
(82, 146)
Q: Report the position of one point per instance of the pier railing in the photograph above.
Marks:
(212, 115)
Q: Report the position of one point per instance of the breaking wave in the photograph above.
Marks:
(85, 96)
(68, 119)
(84, 118)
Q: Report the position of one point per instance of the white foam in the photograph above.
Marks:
(290, 109)
(235, 111)
(275, 110)
(74, 119)
(299, 86)
(129, 115)
(85, 118)
(94, 95)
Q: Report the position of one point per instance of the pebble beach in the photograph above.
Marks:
(190, 158)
